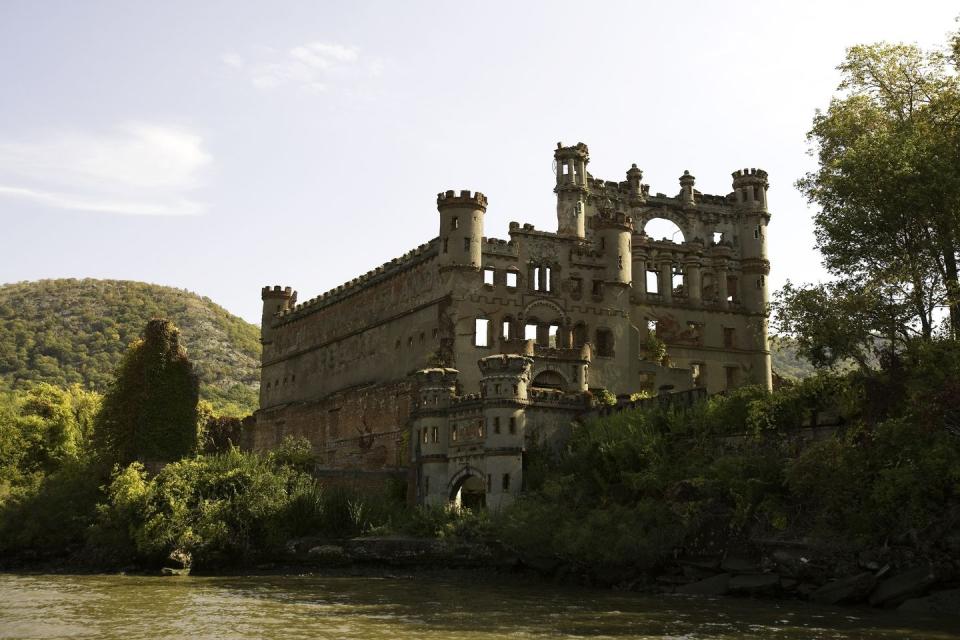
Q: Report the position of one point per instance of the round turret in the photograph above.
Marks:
(750, 188)
(505, 377)
(613, 230)
(276, 299)
(436, 387)
(461, 229)
(572, 187)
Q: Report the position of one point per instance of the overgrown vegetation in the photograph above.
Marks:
(65, 332)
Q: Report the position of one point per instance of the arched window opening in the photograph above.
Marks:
(664, 230)
(549, 380)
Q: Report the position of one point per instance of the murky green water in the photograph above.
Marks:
(270, 607)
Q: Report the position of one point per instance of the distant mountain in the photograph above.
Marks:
(76, 331)
(786, 362)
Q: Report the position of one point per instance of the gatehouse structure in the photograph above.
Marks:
(449, 362)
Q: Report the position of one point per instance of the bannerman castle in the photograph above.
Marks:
(448, 362)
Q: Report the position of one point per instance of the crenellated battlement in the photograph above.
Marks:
(465, 199)
(741, 174)
(613, 219)
(387, 270)
(278, 292)
(579, 151)
(505, 365)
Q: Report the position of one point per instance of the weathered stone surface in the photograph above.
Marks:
(421, 551)
(903, 586)
(741, 561)
(853, 589)
(170, 571)
(941, 602)
(715, 586)
(330, 555)
(758, 584)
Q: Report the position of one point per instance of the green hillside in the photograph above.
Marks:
(75, 331)
(786, 362)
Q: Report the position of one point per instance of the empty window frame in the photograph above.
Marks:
(552, 332)
(597, 287)
(513, 425)
(505, 330)
(542, 279)
(653, 281)
(530, 331)
(604, 342)
(729, 337)
(481, 332)
(466, 243)
(488, 276)
(454, 222)
(506, 482)
(512, 279)
(733, 287)
(496, 424)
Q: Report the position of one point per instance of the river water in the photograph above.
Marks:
(273, 607)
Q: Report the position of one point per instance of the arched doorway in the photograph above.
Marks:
(469, 492)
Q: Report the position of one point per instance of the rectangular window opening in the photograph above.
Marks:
(480, 336)
(653, 281)
(530, 332)
(496, 425)
(466, 243)
(488, 276)
(552, 332)
(513, 425)
(505, 330)
(511, 278)
(506, 482)
(454, 222)
(729, 337)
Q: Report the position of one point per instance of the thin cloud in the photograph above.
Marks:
(134, 169)
(313, 67)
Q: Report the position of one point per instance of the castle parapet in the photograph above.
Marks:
(464, 199)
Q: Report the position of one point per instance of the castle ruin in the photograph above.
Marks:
(449, 361)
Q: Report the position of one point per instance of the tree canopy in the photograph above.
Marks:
(888, 191)
(150, 412)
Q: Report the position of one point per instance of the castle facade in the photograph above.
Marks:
(449, 361)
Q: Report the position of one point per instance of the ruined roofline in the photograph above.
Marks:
(384, 272)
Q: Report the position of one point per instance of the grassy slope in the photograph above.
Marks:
(76, 331)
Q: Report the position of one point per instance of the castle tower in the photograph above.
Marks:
(429, 435)
(504, 381)
(461, 229)
(275, 300)
(750, 191)
(572, 188)
(613, 231)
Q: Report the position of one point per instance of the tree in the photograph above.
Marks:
(888, 188)
(150, 412)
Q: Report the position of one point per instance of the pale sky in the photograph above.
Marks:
(223, 146)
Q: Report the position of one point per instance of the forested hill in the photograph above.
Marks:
(76, 331)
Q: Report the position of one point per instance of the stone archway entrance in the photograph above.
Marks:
(469, 492)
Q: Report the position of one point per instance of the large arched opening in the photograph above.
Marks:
(469, 492)
(662, 229)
